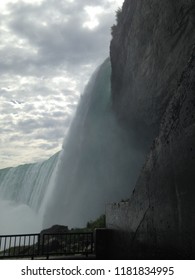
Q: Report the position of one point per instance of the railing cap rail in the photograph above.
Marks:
(69, 233)
(20, 235)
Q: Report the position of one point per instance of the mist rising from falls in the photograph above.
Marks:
(98, 165)
(22, 190)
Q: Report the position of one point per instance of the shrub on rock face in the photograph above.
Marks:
(99, 223)
(118, 15)
(113, 29)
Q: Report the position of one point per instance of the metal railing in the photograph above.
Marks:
(20, 245)
(68, 244)
(45, 245)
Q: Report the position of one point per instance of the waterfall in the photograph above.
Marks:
(22, 190)
(97, 164)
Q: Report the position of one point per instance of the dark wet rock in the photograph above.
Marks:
(153, 89)
(149, 50)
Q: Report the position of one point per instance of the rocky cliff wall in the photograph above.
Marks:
(153, 83)
(159, 217)
(149, 50)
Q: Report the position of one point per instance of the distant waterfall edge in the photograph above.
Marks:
(22, 190)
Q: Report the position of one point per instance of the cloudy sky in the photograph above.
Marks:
(48, 50)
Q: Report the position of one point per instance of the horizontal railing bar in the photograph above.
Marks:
(18, 235)
(70, 233)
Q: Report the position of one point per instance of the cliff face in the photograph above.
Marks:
(149, 50)
(153, 87)
(159, 216)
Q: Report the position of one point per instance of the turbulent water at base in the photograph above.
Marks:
(97, 165)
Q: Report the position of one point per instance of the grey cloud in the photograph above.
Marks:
(29, 125)
(58, 114)
(58, 43)
(29, 107)
(16, 60)
(7, 123)
(51, 122)
(52, 134)
(15, 138)
(71, 106)
(48, 146)
(6, 130)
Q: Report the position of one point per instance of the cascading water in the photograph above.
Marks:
(21, 194)
(97, 164)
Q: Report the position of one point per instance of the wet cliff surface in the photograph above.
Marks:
(149, 50)
(153, 88)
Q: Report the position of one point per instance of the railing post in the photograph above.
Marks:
(39, 245)
(42, 245)
(102, 243)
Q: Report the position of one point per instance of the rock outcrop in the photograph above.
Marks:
(153, 88)
(55, 229)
